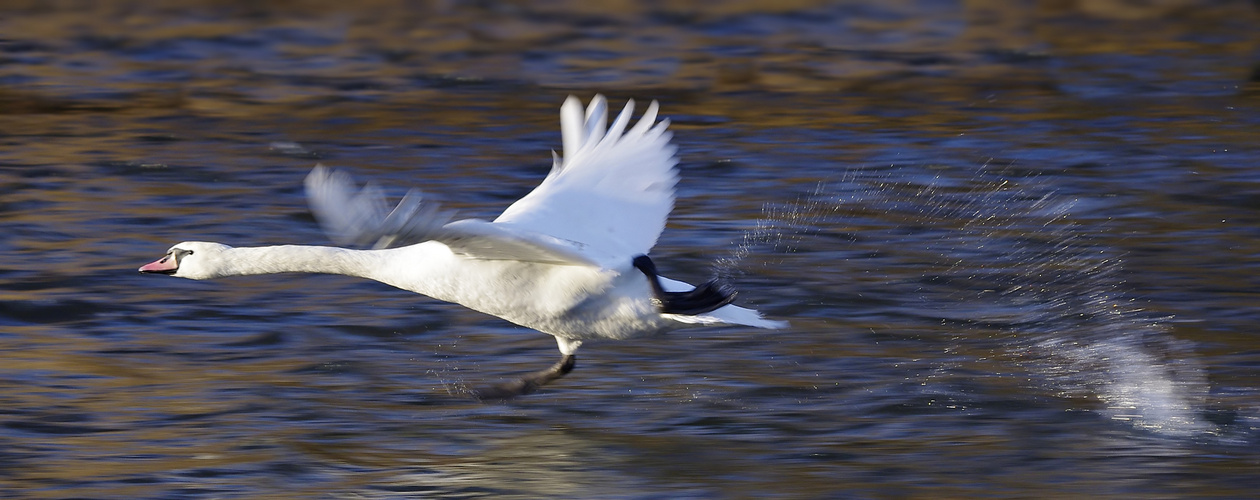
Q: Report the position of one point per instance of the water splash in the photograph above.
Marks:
(1001, 257)
(781, 229)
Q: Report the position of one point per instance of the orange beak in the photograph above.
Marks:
(165, 265)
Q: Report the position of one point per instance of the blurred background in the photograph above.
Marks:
(1017, 242)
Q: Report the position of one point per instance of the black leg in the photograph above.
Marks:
(528, 383)
(704, 298)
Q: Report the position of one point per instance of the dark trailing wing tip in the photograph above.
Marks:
(702, 299)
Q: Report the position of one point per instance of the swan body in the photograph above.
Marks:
(568, 259)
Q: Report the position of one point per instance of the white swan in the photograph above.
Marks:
(568, 259)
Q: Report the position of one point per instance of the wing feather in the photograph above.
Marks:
(486, 240)
(611, 192)
(572, 126)
(604, 202)
(354, 217)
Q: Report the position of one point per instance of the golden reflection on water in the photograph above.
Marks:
(380, 48)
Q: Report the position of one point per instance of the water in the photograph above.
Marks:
(1016, 244)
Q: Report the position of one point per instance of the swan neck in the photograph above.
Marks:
(299, 259)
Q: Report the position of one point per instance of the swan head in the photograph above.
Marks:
(196, 260)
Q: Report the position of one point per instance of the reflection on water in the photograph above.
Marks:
(1016, 242)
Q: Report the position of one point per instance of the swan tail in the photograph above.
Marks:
(729, 315)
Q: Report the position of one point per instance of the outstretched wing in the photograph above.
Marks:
(605, 202)
(354, 217)
(359, 217)
(613, 190)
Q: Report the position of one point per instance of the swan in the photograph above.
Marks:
(569, 259)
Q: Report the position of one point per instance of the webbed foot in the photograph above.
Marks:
(708, 296)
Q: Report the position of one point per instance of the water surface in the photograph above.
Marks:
(1016, 242)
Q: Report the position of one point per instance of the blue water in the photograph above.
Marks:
(1016, 244)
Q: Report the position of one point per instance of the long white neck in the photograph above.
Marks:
(297, 259)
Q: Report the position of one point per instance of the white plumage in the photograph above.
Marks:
(559, 260)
